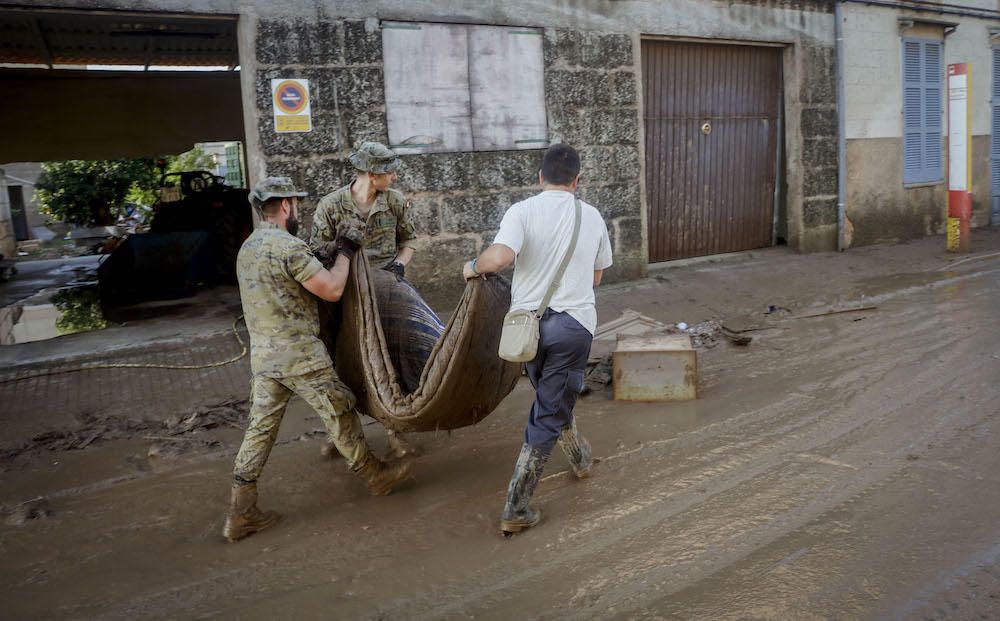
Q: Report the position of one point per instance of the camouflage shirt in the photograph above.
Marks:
(282, 316)
(389, 226)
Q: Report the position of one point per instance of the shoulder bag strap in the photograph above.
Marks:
(565, 261)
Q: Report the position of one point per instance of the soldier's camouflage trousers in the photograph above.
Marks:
(324, 392)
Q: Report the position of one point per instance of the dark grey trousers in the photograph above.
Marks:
(557, 375)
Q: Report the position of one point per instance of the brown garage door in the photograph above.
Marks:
(711, 122)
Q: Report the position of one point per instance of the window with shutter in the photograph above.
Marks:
(449, 87)
(995, 142)
(922, 111)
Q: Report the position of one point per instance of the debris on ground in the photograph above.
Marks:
(704, 335)
(232, 413)
(8, 269)
(837, 311)
(598, 375)
(34, 509)
(171, 436)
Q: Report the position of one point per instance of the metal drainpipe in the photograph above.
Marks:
(838, 15)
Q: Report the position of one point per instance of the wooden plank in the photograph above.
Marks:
(505, 61)
(426, 66)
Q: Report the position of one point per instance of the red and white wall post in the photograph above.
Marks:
(959, 158)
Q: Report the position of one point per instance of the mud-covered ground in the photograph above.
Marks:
(843, 466)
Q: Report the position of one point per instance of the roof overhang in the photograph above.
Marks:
(907, 22)
(58, 37)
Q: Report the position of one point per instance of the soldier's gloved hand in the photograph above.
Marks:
(350, 237)
(326, 253)
(396, 268)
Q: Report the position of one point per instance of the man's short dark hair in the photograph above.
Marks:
(271, 205)
(561, 164)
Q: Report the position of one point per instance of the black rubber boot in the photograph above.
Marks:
(517, 514)
(577, 450)
(244, 517)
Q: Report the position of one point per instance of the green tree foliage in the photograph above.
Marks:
(80, 308)
(90, 192)
(94, 191)
(195, 159)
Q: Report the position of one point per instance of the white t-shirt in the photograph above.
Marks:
(539, 230)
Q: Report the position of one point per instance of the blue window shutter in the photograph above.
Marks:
(923, 77)
(913, 125)
(995, 142)
(933, 87)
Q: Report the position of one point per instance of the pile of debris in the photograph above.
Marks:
(8, 269)
(96, 429)
(704, 335)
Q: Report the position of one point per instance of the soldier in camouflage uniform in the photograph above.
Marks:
(280, 280)
(386, 213)
(370, 198)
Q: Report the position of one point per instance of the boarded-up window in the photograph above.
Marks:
(454, 87)
(922, 111)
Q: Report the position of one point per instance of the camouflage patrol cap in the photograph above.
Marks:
(273, 187)
(374, 157)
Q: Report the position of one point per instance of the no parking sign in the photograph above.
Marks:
(291, 105)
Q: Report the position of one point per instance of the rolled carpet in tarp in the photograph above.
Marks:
(462, 380)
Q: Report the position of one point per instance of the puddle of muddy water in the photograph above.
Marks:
(52, 313)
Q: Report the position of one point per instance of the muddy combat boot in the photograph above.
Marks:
(577, 450)
(383, 477)
(400, 447)
(244, 517)
(517, 515)
(329, 450)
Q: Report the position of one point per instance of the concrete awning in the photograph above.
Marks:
(54, 37)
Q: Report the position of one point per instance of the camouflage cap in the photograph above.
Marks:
(273, 187)
(375, 157)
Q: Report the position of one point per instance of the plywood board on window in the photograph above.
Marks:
(456, 87)
(507, 89)
(426, 68)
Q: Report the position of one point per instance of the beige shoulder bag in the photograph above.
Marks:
(519, 335)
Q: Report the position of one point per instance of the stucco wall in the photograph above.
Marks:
(25, 174)
(8, 245)
(880, 207)
(883, 210)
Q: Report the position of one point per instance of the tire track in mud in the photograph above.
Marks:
(863, 434)
(669, 513)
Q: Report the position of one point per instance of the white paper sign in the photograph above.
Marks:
(958, 132)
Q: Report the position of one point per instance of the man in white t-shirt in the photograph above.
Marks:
(535, 235)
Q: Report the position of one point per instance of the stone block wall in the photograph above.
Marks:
(818, 126)
(458, 198)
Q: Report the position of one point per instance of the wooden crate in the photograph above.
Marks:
(655, 368)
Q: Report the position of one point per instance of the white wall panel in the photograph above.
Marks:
(507, 88)
(427, 87)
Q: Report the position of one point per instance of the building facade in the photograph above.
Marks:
(704, 127)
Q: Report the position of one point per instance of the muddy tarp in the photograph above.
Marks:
(463, 379)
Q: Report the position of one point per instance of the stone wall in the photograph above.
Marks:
(818, 126)
(458, 198)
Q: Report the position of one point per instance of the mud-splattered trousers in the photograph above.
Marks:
(557, 376)
(324, 392)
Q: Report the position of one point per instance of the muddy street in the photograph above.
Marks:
(842, 466)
